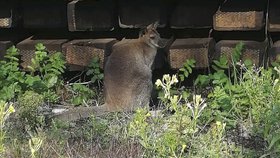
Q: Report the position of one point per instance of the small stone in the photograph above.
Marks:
(57, 111)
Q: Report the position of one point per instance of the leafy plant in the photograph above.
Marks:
(29, 104)
(254, 99)
(49, 69)
(11, 78)
(46, 64)
(35, 143)
(186, 70)
(221, 66)
(224, 90)
(166, 85)
(95, 71)
(188, 126)
(213, 144)
(179, 134)
(5, 111)
(80, 94)
(45, 76)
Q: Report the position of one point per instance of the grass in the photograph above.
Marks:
(186, 127)
(238, 117)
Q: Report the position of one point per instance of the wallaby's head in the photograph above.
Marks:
(152, 37)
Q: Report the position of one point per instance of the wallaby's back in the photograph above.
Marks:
(127, 75)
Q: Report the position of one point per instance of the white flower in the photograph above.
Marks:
(159, 83)
(174, 79)
(166, 94)
(166, 78)
(197, 99)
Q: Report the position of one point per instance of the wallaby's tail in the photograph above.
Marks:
(76, 113)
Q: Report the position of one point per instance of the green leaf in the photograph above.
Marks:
(182, 77)
(77, 100)
(186, 73)
(40, 47)
(55, 71)
(182, 69)
(52, 81)
(95, 60)
(12, 58)
(12, 51)
(189, 69)
(222, 63)
(185, 94)
(30, 79)
(96, 65)
(224, 80)
(89, 72)
(96, 71)
(275, 138)
(100, 76)
(223, 60)
(202, 79)
(31, 68)
(192, 62)
(33, 61)
(186, 64)
(248, 63)
(93, 79)
(8, 92)
(237, 51)
(215, 68)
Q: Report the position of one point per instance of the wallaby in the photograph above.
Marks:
(127, 75)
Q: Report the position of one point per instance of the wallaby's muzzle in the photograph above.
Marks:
(162, 42)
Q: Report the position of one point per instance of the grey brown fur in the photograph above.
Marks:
(128, 74)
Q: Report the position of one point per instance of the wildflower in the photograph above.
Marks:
(166, 78)
(159, 83)
(173, 79)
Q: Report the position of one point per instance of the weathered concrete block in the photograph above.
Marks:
(4, 45)
(79, 53)
(194, 14)
(45, 14)
(252, 50)
(274, 52)
(139, 13)
(240, 15)
(274, 16)
(199, 49)
(92, 15)
(8, 13)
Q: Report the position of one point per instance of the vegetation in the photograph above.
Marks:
(237, 117)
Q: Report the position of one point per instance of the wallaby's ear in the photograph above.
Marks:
(149, 27)
(153, 25)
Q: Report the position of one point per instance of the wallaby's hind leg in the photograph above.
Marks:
(147, 94)
(142, 99)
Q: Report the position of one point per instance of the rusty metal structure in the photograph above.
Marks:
(202, 29)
